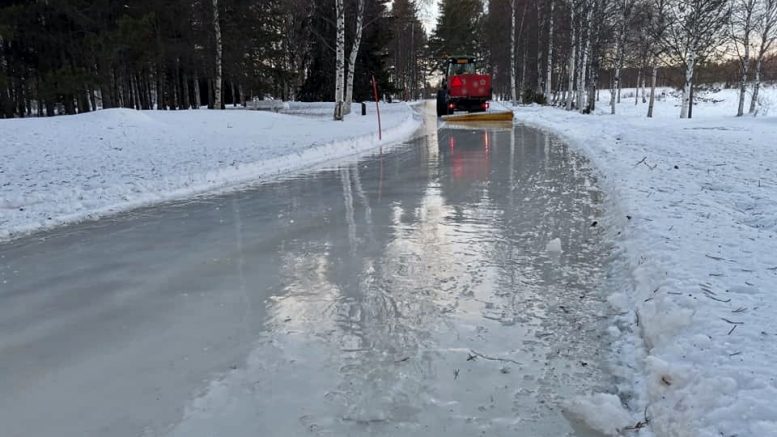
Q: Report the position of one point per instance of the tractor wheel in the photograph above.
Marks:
(442, 105)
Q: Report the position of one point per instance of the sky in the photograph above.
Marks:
(428, 10)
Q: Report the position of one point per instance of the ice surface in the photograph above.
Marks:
(461, 325)
(405, 294)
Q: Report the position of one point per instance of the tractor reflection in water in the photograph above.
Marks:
(466, 167)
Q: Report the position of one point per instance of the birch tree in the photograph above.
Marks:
(339, 59)
(585, 47)
(766, 26)
(217, 102)
(549, 72)
(357, 39)
(513, 90)
(742, 25)
(624, 10)
(573, 55)
(657, 29)
(695, 28)
(600, 39)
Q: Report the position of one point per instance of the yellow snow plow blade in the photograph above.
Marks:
(480, 116)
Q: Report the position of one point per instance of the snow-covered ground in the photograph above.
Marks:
(693, 212)
(69, 168)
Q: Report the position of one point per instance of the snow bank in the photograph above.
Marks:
(64, 169)
(693, 212)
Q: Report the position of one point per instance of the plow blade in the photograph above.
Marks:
(479, 116)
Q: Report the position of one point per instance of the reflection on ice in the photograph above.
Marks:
(423, 299)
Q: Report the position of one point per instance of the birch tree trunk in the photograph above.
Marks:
(619, 49)
(340, 60)
(513, 90)
(636, 87)
(766, 25)
(352, 57)
(217, 101)
(571, 68)
(744, 67)
(652, 90)
(581, 82)
(742, 20)
(549, 78)
(689, 67)
(538, 88)
(523, 70)
(756, 86)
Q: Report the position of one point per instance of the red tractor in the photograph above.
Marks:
(463, 88)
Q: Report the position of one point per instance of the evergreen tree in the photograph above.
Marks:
(458, 29)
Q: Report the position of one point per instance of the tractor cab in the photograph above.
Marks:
(460, 65)
(463, 87)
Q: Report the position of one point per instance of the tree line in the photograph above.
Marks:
(564, 52)
(74, 56)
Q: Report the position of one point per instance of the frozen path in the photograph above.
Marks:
(423, 292)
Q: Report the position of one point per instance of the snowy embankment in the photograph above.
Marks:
(65, 169)
(693, 213)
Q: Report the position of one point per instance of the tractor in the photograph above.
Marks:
(463, 88)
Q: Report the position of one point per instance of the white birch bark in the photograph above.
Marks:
(689, 69)
(581, 81)
(743, 83)
(353, 55)
(539, 89)
(636, 88)
(571, 68)
(652, 100)
(217, 102)
(513, 90)
(741, 31)
(620, 42)
(549, 77)
(766, 24)
(340, 60)
(756, 86)
(523, 72)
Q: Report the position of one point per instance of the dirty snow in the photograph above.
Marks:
(693, 211)
(69, 168)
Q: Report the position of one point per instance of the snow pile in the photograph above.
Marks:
(602, 412)
(693, 212)
(70, 168)
(554, 246)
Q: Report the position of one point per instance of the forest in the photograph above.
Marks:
(74, 56)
